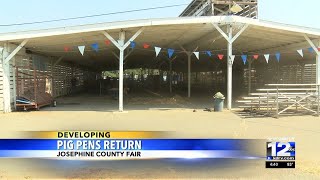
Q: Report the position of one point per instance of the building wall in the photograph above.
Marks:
(52, 79)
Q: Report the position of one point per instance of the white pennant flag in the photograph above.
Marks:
(157, 49)
(267, 57)
(81, 49)
(232, 58)
(196, 54)
(300, 52)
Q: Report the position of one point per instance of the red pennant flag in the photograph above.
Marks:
(146, 46)
(66, 49)
(318, 48)
(220, 56)
(107, 42)
(255, 56)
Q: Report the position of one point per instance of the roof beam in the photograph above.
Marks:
(123, 46)
(221, 32)
(239, 33)
(312, 44)
(133, 37)
(230, 39)
(111, 39)
(14, 52)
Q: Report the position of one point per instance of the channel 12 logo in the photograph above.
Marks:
(280, 153)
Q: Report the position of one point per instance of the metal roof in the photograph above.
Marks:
(190, 32)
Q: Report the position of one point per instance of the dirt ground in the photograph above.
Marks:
(97, 113)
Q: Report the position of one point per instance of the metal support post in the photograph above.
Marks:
(121, 45)
(229, 70)
(230, 39)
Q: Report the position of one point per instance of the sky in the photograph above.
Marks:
(297, 12)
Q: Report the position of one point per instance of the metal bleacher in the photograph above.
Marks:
(282, 99)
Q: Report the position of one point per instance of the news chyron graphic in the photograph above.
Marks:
(108, 145)
(281, 154)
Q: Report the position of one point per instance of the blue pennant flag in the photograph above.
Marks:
(132, 44)
(311, 49)
(170, 52)
(244, 58)
(209, 53)
(95, 47)
(278, 56)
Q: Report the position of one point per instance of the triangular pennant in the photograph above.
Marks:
(220, 56)
(232, 57)
(244, 58)
(66, 49)
(132, 44)
(310, 49)
(157, 49)
(107, 42)
(209, 53)
(170, 52)
(318, 48)
(255, 56)
(95, 47)
(196, 54)
(278, 56)
(81, 49)
(146, 46)
(300, 52)
(267, 57)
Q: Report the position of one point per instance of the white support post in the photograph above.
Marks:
(6, 80)
(189, 54)
(121, 81)
(121, 45)
(6, 57)
(229, 70)
(230, 40)
(14, 83)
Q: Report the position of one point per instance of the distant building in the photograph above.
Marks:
(245, 8)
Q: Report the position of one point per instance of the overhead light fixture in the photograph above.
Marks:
(236, 8)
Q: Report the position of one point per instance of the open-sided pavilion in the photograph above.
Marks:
(231, 36)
